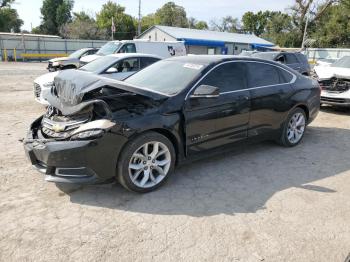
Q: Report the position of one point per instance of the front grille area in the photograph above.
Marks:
(37, 90)
(335, 85)
(61, 127)
(335, 100)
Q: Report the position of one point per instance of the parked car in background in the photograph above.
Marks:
(71, 61)
(162, 49)
(117, 66)
(247, 53)
(296, 61)
(335, 82)
(173, 110)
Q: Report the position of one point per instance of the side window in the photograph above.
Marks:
(266, 75)
(92, 51)
(281, 59)
(127, 65)
(146, 61)
(85, 54)
(291, 59)
(128, 48)
(228, 77)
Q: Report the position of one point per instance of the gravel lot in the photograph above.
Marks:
(257, 203)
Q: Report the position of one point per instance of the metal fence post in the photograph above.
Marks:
(39, 48)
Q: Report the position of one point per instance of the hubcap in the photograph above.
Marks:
(296, 128)
(149, 164)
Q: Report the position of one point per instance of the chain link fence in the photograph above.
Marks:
(26, 47)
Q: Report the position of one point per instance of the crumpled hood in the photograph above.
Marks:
(70, 86)
(328, 72)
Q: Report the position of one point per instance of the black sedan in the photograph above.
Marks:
(137, 131)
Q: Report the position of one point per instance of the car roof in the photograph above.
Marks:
(210, 59)
(126, 55)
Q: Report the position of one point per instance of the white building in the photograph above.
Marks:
(205, 41)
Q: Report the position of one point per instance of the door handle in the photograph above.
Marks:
(246, 97)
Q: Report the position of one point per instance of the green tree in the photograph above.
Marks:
(226, 24)
(9, 19)
(82, 26)
(124, 23)
(195, 24)
(55, 14)
(147, 22)
(255, 23)
(279, 29)
(171, 14)
(333, 28)
(202, 25)
(314, 10)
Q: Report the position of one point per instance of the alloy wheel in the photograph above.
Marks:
(149, 164)
(296, 128)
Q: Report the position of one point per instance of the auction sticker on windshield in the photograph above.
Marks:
(193, 66)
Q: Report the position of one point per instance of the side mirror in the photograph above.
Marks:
(206, 91)
(112, 70)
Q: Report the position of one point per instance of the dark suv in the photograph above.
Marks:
(296, 61)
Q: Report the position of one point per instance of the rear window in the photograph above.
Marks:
(291, 59)
(261, 74)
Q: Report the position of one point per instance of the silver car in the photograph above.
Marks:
(71, 61)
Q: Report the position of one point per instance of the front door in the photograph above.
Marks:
(213, 122)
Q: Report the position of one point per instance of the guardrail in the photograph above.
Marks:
(25, 55)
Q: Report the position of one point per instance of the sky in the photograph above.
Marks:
(29, 10)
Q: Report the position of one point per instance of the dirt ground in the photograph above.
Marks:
(258, 203)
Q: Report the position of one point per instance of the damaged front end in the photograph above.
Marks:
(80, 136)
(337, 85)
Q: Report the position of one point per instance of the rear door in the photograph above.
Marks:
(270, 92)
(213, 122)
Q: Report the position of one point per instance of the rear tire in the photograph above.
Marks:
(146, 162)
(293, 128)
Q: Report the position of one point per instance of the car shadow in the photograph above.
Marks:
(335, 110)
(240, 181)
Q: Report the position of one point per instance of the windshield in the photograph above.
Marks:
(266, 56)
(342, 62)
(99, 65)
(166, 77)
(109, 48)
(78, 53)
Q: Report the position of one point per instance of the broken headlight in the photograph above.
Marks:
(88, 134)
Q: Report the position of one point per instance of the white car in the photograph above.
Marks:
(71, 61)
(117, 66)
(335, 82)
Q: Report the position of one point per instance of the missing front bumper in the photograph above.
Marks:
(75, 162)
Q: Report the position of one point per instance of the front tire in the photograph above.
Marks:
(146, 162)
(293, 129)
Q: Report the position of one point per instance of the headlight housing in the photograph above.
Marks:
(88, 134)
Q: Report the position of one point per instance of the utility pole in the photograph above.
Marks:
(139, 25)
(113, 28)
(305, 32)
